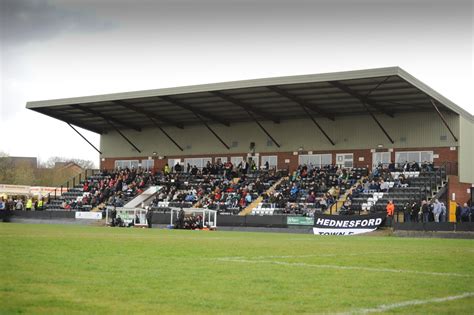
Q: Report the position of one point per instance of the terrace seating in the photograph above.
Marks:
(309, 190)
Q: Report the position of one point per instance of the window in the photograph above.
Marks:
(173, 162)
(148, 164)
(345, 160)
(410, 156)
(223, 159)
(272, 161)
(383, 158)
(236, 160)
(198, 162)
(123, 164)
(315, 159)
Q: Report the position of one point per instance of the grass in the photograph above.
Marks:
(84, 269)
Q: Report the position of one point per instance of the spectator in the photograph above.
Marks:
(425, 210)
(458, 212)
(436, 210)
(442, 217)
(390, 211)
(166, 169)
(415, 208)
(415, 167)
(465, 213)
(407, 212)
(19, 205)
(29, 204)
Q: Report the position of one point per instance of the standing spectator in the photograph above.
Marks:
(436, 210)
(390, 210)
(465, 212)
(29, 204)
(113, 216)
(458, 212)
(40, 204)
(442, 217)
(425, 210)
(415, 208)
(406, 212)
(149, 217)
(19, 205)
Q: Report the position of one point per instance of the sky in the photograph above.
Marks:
(57, 49)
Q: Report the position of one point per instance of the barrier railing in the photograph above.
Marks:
(75, 179)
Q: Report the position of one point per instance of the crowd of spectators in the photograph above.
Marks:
(312, 188)
(223, 186)
(23, 203)
(214, 191)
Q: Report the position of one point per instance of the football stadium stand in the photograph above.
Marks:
(338, 143)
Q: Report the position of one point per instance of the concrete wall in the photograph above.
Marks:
(356, 132)
(466, 151)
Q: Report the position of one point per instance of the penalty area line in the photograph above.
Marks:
(388, 307)
(324, 266)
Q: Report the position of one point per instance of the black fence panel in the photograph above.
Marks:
(465, 227)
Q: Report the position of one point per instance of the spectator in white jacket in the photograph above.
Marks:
(437, 210)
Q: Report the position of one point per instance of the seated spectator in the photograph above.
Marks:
(374, 186)
(414, 167)
(384, 186)
(311, 198)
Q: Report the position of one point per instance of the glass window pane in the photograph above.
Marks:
(326, 159)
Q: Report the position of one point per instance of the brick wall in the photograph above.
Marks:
(445, 155)
(461, 190)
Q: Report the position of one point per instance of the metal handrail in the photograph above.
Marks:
(73, 180)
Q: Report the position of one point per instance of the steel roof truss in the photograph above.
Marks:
(106, 118)
(301, 102)
(196, 111)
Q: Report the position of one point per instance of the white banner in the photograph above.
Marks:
(346, 225)
(89, 215)
(319, 231)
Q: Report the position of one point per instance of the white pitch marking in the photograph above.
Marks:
(301, 256)
(388, 307)
(450, 274)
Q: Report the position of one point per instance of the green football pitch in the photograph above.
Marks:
(84, 269)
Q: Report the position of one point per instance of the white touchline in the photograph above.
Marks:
(387, 307)
(450, 274)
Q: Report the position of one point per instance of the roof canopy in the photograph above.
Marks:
(385, 91)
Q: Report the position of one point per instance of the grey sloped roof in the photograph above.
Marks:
(385, 91)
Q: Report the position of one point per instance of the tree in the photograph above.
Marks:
(50, 163)
(6, 168)
(23, 174)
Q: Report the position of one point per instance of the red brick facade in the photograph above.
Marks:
(461, 191)
(362, 157)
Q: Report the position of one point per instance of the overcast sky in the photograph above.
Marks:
(56, 49)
